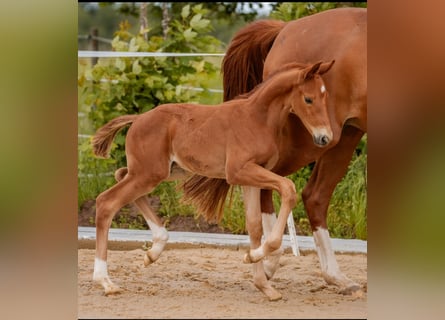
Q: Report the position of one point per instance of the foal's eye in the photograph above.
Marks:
(308, 100)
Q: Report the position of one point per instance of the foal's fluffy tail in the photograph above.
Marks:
(105, 135)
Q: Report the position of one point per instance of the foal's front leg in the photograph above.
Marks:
(272, 244)
(271, 262)
(269, 218)
(253, 224)
(251, 174)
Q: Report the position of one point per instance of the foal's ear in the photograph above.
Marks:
(324, 67)
(319, 67)
(310, 71)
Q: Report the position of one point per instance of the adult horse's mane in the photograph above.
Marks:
(253, 37)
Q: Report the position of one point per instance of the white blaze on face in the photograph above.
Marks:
(323, 89)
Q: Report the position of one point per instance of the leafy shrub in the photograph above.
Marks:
(118, 86)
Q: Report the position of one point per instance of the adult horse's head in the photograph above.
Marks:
(309, 102)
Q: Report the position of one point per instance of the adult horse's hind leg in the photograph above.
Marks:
(160, 234)
(328, 171)
(108, 203)
(251, 197)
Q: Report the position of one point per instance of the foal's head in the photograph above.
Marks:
(308, 100)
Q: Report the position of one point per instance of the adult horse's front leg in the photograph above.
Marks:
(328, 171)
(251, 197)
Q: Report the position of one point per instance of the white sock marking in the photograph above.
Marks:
(268, 220)
(325, 252)
(100, 269)
(160, 238)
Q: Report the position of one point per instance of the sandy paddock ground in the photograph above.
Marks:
(207, 282)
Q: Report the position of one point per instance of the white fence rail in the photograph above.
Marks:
(122, 54)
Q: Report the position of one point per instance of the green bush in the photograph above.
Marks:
(118, 86)
(347, 216)
(288, 11)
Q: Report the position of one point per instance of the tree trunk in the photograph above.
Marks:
(143, 20)
(165, 19)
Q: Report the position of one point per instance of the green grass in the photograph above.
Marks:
(234, 217)
(347, 216)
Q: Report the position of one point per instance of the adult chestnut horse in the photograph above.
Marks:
(262, 47)
(237, 140)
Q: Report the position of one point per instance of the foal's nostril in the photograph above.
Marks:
(322, 140)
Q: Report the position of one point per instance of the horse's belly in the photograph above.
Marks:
(205, 165)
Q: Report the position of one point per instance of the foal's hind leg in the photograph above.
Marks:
(107, 204)
(253, 224)
(160, 234)
(327, 172)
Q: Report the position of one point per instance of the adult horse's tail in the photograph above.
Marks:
(208, 195)
(105, 135)
(242, 69)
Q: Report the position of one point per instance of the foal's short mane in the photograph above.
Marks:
(283, 68)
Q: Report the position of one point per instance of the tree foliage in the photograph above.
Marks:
(226, 17)
(117, 86)
(288, 11)
(217, 10)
